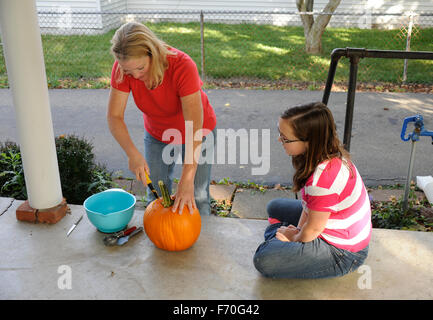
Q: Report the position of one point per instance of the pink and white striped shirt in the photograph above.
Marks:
(334, 188)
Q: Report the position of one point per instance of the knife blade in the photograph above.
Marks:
(74, 226)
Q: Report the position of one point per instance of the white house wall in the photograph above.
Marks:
(68, 23)
(345, 5)
(110, 20)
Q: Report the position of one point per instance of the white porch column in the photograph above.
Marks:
(27, 79)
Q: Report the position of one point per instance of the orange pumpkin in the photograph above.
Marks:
(170, 230)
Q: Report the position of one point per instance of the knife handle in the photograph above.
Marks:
(147, 177)
(130, 230)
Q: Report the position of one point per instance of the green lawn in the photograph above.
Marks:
(240, 51)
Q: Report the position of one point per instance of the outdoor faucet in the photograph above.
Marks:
(414, 136)
(418, 130)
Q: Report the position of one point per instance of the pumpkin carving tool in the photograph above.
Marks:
(111, 239)
(151, 187)
(124, 239)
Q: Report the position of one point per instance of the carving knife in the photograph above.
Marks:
(74, 226)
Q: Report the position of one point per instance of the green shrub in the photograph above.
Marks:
(12, 182)
(80, 176)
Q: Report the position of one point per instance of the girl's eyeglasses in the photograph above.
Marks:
(284, 139)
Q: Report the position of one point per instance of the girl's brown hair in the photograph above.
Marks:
(135, 40)
(313, 123)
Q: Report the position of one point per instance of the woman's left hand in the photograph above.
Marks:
(184, 196)
(286, 233)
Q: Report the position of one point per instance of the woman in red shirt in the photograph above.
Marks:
(166, 87)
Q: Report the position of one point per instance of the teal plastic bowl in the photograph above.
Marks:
(111, 210)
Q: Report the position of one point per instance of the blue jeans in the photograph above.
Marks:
(159, 170)
(314, 259)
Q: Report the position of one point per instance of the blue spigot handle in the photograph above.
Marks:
(403, 129)
(418, 130)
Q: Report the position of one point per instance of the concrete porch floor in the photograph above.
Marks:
(218, 266)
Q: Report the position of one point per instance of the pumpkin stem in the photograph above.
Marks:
(166, 200)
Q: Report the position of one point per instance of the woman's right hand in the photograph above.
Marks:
(138, 165)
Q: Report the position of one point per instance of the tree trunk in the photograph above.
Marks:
(313, 43)
(314, 28)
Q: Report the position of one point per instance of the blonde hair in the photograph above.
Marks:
(135, 40)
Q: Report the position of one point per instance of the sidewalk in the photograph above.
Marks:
(218, 266)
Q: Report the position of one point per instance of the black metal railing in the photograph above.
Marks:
(354, 55)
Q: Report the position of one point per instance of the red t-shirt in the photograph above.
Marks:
(161, 107)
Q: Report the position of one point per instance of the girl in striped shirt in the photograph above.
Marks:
(327, 233)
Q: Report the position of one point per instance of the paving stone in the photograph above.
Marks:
(217, 192)
(251, 204)
(221, 192)
(387, 194)
(138, 188)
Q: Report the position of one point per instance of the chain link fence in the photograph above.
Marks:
(258, 47)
